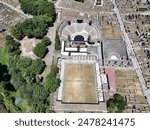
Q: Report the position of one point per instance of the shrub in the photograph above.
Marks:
(40, 50)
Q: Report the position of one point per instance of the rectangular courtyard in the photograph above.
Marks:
(79, 84)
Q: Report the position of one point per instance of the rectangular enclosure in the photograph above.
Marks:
(79, 84)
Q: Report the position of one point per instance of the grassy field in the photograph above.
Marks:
(4, 56)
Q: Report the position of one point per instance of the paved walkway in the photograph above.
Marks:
(49, 57)
(51, 34)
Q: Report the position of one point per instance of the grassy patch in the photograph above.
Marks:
(4, 56)
(24, 106)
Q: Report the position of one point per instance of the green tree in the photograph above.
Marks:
(34, 27)
(116, 104)
(16, 79)
(4, 76)
(37, 66)
(51, 82)
(46, 41)
(17, 31)
(24, 62)
(38, 7)
(12, 46)
(40, 50)
(57, 42)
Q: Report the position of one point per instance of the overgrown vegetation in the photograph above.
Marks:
(46, 41)
(34, 27)
(41, 48)
(116, 104)
(21, 87)
(38, 7)
(51, 83)
(21, 84)
(12, 46)
(44, 16)
(4, 56)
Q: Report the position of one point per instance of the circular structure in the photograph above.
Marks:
(78, 30)
(114, 49)
(78, 38)
(113, 57)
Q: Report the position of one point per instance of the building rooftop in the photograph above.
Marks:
(111, 78)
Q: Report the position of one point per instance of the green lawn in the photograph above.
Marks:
(4, 56)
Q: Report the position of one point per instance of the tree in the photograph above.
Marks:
(40, 50)
(37, 66)
(116, 104)
(34, 27)
(57, 42)
(16, 79)
(46, 41)
(51, 82)
(38, 7)
(12, 46)
(4, 76)
(9, 38)
(17, 31)
(24, 62)
(10, 107)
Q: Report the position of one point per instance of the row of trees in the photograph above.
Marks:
(21, 87)
(34, 27)
(51, 82)
(20, 80)
(44, 16)
(38, 7)
(24, 77)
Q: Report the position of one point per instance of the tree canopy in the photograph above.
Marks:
(40, 50)
(57, 42)
(51, 83)
(12, 46)
(21, 86)
(38, 7)
(34, 27)
(116, 104)
(46, 41)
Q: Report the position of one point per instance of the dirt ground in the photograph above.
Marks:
(109, 32)
(2, 38)
(79, 84)
(127, 79)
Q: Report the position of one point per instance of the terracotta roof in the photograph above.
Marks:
(111, 78)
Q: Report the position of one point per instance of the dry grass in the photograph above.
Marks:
(110, 32)
(79, 84)
(2, 38)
